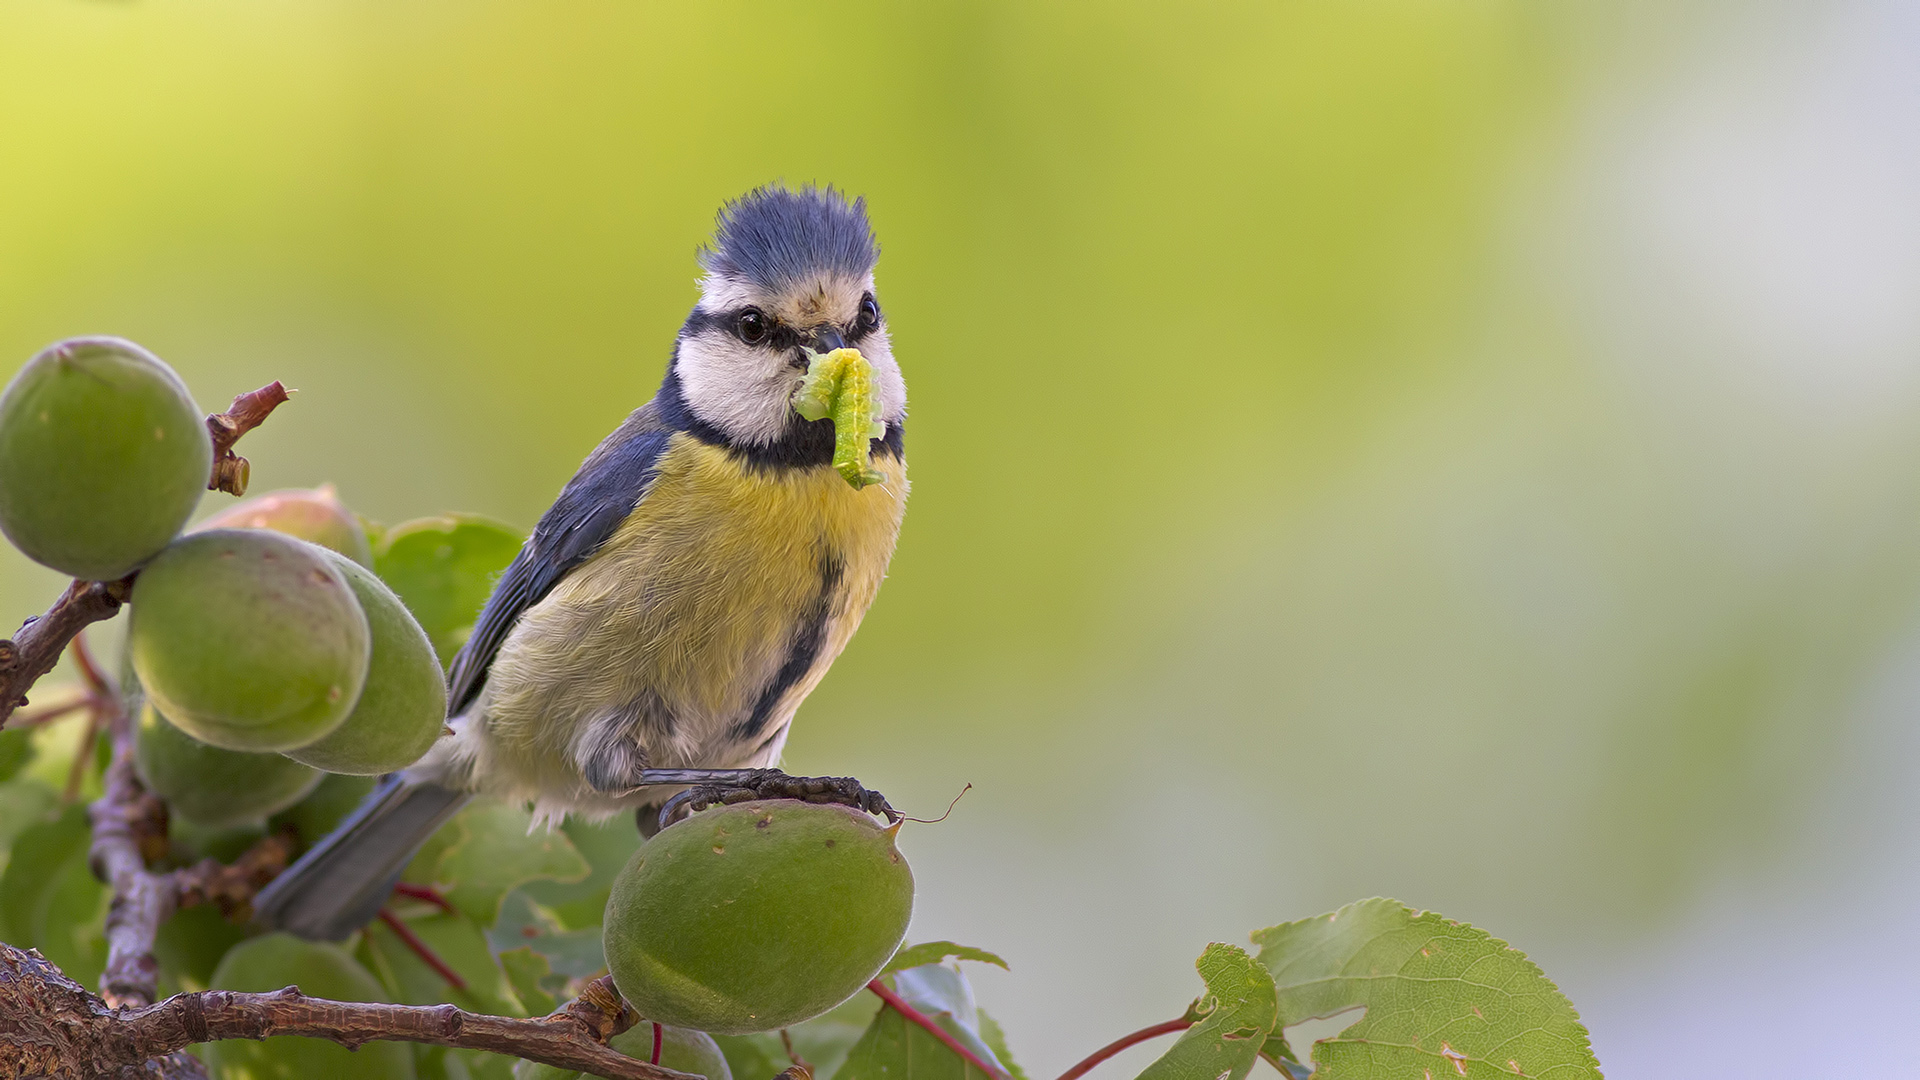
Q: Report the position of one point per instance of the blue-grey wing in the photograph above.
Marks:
(610, 483)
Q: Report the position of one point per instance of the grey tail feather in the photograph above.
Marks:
(341, 883)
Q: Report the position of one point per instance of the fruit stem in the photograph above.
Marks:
(899, 1005)
(1122, 1043)
(412, 941)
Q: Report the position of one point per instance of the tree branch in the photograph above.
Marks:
(36, 648)
(50, 1026)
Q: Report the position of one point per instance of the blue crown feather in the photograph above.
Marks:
(774, 236)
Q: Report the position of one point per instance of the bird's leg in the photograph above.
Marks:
(725, 786)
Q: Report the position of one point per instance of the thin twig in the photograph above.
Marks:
(125, 819)
(899, 1005)
(36, 648)
(103, 695)
(232, 886)
(1124, 1042)
(48, 712)
(230, 471)
(786, 1040)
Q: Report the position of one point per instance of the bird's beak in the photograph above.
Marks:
(827, 338)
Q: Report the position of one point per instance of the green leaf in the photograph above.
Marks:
(934, 952)
(754, 1057)
(445, 1063)
(525, 968)
(606, 846)
(24, 801)
(443, 569)
(1235, 1016)
(316, 815)
(1442, 998)
(822, 1041)
(996, 1038)
(486, 852)
(894, 1048)
(525, 925)
(190, 944)
(460, 945)
(50, 900)
(16, 749)
(825, 1040)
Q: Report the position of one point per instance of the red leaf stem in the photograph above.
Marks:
(658, 1034)
(412, 941)
(1122, 1043)
(899, 1005)
(422, 892)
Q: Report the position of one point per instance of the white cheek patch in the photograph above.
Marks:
(889, 386)
(741, 390)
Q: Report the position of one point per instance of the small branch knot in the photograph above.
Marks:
(230, 470)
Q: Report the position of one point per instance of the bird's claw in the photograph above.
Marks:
(751, 785)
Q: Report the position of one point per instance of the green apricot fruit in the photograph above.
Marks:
(687, 1051)
(211, 787)
(402, 707)
(275, 961)
(248, 640)
(316, 815)
(756, 916)
(315, 515)
(103, 456)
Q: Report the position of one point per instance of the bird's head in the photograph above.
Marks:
(789, 269)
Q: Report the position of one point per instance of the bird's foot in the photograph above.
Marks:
(720, 787)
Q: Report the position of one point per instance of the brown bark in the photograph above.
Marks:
(230, 471)
(51, 1027)
(36, 648)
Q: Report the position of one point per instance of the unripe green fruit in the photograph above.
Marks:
(212, 787)
(316, 815)
(756, 916)
(103, 455)
(687, 1051)
(275, 961)
(402, 707)
(316, 516)
(248, 640)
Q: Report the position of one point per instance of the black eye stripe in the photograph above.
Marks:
(778, 335)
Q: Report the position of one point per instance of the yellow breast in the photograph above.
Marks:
(689, 611)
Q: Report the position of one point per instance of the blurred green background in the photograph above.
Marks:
(1466, 452)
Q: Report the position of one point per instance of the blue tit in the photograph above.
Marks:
(686, 591)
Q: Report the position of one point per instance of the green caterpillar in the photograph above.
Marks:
(839, 384)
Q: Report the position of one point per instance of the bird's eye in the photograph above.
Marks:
(869, 313)
(752, 326)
